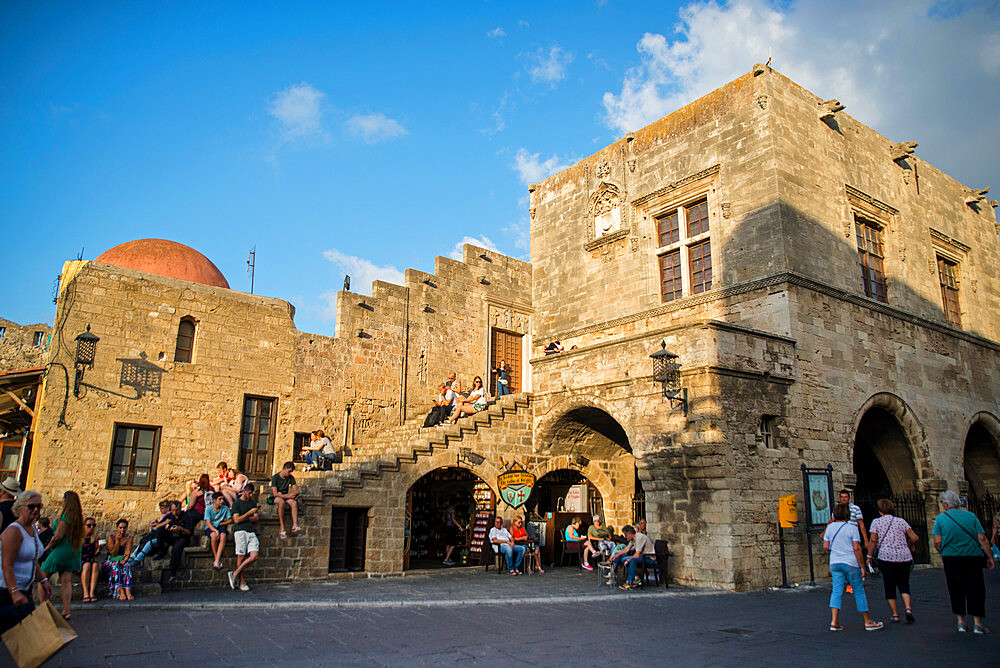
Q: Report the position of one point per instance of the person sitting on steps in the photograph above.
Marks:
(475, 402)
(285, 493)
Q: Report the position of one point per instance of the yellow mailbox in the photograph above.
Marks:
(788, 511)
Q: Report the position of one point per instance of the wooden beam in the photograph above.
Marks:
(20, 403)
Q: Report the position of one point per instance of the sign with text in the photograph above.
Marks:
(818, 489)
(515, 485)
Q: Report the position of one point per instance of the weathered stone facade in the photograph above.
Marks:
(22, 346)
(786, 361)
(785, 331)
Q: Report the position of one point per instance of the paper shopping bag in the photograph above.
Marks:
(38, 636)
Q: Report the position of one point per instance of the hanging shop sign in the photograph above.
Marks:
(515, 484)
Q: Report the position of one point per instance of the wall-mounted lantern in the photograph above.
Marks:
(667, 372)
(468, 456)
(86, 352)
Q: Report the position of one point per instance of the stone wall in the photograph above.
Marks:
(17, 345)
(785, 330)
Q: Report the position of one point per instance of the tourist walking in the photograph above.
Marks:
(960, 539)
(65, 556)
(847, 566)
(891, 542)
(451, 530)
(19, 553)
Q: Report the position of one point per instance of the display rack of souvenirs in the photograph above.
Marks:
(480, 528)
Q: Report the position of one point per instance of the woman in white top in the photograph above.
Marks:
(20, 549)
(475, 402)
(319, 444)
(843, 541)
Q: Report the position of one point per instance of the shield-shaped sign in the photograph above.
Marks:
(515, 485)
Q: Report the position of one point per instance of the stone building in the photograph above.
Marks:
(830, 296)
(22, 346)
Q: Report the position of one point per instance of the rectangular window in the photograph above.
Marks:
(697, 218)
(10, 455)
(685, 251)
(257, 436)
(134, 453)
(767, 431)
(38, 339)
(948, 277)
(870, 255)
(701, 267)
(3, 330)
(670, 229)
(299, 440)
(670, 276)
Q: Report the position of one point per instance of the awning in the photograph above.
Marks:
(18, 392)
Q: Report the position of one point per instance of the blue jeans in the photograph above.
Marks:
(633, 567)
(142, 551)
(843, 575)
(502, 388)
(513, 554)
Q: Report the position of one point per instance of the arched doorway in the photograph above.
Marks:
(982, 469)
(583, 444)
(558, 497)
(884, 466)
(427, 501)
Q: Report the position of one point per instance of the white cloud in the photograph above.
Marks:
(299, 111)
(532, 170)
(482, 242)
(497, 33)
(362, 272)
(550, 67)
(373, 128)
(943, 94)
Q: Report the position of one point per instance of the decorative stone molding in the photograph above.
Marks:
(602, 169)
(758, 69)
(868, 207)
(907, 176)
(974, 284)
(726, 206)
(505, 317)
(828, 109)
(902, 150)
(531, 212)
(606, 210)
(762, 101)
(607, 239)
(703, 174)
(938, 238)
(631, 164)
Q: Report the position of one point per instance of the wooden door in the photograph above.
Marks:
(506, 346)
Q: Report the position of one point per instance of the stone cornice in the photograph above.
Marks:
(705, 173)
(868, 199)
(782, 278)
(606, 239)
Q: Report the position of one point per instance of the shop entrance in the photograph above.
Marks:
(427, 503)
(982, 471)
(557, 498)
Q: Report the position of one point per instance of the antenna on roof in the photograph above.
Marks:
(251, 263)
(79, 255)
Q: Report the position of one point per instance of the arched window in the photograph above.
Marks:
(185, 340)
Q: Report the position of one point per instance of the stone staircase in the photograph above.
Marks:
(403, 444)
(370, 460)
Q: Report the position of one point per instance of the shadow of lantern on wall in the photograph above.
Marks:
(667, 372)
(141, 375)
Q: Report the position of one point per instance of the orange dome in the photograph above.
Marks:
(165, 258)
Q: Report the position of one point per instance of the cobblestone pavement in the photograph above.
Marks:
(558, 618)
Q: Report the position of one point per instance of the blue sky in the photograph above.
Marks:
(342, 139)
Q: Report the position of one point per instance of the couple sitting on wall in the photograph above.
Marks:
(451, 404)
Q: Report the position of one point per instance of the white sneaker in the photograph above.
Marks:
(244, 587)
(232, 580)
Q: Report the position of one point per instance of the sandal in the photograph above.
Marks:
(65, 615)
(894, 619)
(838, 627)
(282, 534)
(874, 626)
(909, 617)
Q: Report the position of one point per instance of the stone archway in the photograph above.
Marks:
(581, 433)
(981, 458)
(889, 448)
